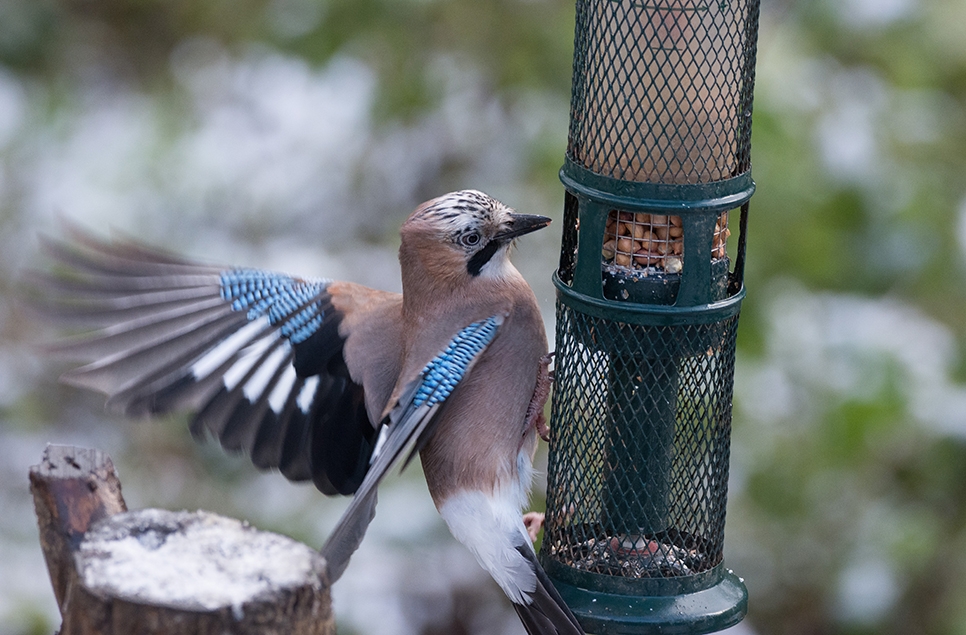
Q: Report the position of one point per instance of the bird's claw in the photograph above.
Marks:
(540, 423)
(533, 521)
(541, 392)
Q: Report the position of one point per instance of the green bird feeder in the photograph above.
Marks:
(649, 287)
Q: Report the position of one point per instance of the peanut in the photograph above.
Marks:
(609, 249)
(644, 257)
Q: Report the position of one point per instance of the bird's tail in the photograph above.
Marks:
(547, 613)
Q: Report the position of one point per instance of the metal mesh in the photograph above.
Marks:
(662, 89)
(639, 462)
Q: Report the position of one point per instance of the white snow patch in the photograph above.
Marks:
(191, 560)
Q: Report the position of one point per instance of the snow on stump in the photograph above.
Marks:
(167, 573)
(203, 572)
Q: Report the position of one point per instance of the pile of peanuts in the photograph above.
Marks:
(644, 240)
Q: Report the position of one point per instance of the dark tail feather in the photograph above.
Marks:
(547, 614)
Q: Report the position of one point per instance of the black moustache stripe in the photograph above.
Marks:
(480, 258)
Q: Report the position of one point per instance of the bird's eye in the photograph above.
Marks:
(470, 239)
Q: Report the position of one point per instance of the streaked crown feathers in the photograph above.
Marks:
(456, 211)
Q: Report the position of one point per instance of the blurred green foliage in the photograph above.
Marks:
(859, 150)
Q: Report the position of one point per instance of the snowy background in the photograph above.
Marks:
(298, 134)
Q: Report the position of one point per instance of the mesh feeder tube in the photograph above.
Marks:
(649, 287)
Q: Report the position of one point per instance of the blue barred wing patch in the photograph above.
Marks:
(294, 303)
(444, 372)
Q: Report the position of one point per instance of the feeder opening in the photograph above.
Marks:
(653, 243)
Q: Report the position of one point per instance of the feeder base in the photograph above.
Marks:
(706, 611)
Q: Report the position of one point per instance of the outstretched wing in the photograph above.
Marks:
(406, 429)
(256, 355)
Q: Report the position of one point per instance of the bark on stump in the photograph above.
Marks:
(166, 573)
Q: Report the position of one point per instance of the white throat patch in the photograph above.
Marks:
(499, 266)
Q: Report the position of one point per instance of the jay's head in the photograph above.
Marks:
(465, 233)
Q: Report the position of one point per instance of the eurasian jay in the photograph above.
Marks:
(336, 382)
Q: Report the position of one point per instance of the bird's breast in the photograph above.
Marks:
(480, 433)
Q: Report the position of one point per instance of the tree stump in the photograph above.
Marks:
(167, 573)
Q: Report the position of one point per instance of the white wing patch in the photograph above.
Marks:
(220, 354)
(307, 394)
(259, 381)
(279, 394)
(249, 358)
(380, 442)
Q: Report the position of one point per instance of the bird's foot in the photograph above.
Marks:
(533, 521)
(540, 423)
(541, 392)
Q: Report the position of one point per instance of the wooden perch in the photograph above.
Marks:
(73, 488)
(167, 573)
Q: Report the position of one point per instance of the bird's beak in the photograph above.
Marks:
(521, 224)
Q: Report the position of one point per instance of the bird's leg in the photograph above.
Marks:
(533, 521)
(541, 392)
